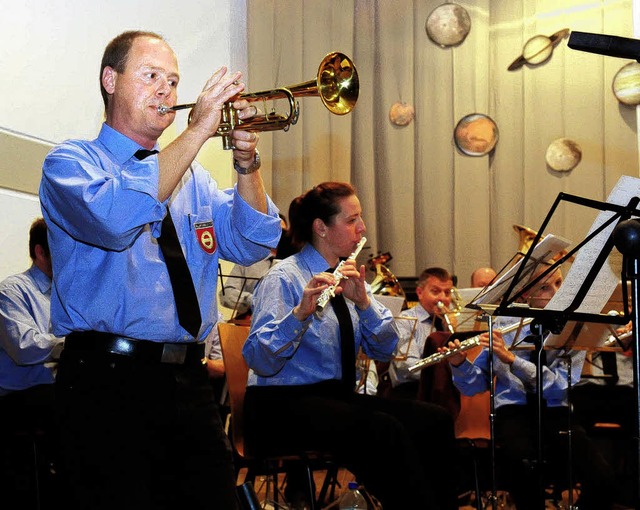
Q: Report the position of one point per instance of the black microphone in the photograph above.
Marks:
(609, 45)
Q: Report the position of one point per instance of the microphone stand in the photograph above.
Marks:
(627, 240)
(538, 337)
(492, 418)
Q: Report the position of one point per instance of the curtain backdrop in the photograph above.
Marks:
(424, 201)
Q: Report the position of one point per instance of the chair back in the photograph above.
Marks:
(232, 338)
(473, 420)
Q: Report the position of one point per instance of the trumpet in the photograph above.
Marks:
(465, 345)
(330, 291)
(336, 84)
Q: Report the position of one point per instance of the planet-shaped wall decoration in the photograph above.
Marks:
(476, 134)
(538, 49)
(626, 84)
(563, 155)
(448, 24)
(401, 114)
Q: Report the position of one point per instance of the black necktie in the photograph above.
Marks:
(184, 293)
(347, 342)
(437, 323)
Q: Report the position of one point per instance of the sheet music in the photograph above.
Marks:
(545, 249)
(605, 282)
(393, 303)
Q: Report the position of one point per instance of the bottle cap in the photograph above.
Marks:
(353, 486)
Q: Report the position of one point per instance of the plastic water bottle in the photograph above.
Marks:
(352, 499)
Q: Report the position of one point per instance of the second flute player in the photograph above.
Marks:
(301, 395)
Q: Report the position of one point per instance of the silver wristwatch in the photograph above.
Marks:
(254, 166)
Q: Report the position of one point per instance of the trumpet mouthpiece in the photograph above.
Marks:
(163, 109)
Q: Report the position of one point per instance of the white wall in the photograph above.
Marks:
(51, 52)
(50, 60)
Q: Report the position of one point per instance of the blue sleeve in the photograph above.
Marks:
(275, 332)
(96, 201)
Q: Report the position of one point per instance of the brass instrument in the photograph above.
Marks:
(526, 237)
(330, 291)
(444, 314)
(465, 345)
(336, 84)
(385, 283)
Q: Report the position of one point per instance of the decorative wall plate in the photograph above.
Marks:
(626, 84)
(448, 24)
(563, 155)
(476, 134)
(401, 114)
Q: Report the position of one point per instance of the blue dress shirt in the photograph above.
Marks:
(101, 207)
(399, 368)
(28, 349)
(281, 350)
(515, 380)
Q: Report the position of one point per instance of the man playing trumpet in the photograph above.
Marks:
(135, 239)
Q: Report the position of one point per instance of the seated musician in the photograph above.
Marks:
(300, 395)
(482, 277)
(434, 286)
(516, 411)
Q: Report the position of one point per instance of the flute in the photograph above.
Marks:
(330, 291)
(465, 345)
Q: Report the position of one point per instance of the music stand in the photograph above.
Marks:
(621, 205)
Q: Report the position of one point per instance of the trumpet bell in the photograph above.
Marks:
(336, 84)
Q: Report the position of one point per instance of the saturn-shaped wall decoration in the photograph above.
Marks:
(475, 134)
(538, 49)
(448, 24)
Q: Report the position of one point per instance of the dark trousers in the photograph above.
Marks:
(141, 435)
(29, 449)
(516, 435)
(401, 450)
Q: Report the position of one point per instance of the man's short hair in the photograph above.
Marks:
(38, 235)
(437, 272)
(117, 52)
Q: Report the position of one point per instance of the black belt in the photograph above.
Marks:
(146, 350)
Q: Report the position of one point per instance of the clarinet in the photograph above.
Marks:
(465, 345)
(330, 291)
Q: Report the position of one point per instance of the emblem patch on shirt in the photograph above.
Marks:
(206, 236)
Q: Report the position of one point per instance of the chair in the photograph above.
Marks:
(232, 338)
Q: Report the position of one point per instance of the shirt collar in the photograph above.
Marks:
(121, 146)
(421, 314)
(42, 280)
(312, 259)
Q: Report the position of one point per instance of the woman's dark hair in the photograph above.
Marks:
(321, 202)
(117, 52)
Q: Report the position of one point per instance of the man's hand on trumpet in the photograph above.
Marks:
(219, 89)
